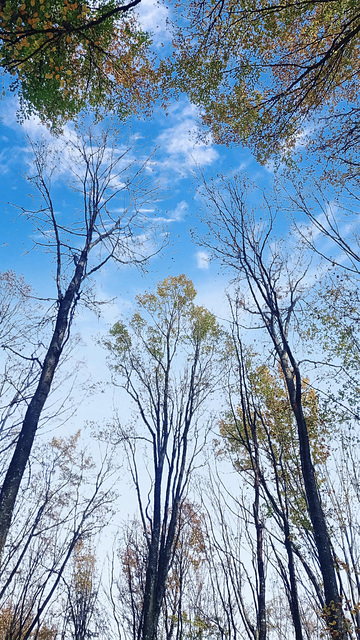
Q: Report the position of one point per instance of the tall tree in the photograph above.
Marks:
(80, 249)
(187, 609)
(82, 595)
(244, 430)
(261, 437)
(274, 290)
(167, 362)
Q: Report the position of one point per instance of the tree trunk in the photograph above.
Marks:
(30, 424)
(333, 613)
(261, 616)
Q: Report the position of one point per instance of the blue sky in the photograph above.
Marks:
(176, 153)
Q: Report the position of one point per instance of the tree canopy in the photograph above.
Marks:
(65, 56)
(267, 72)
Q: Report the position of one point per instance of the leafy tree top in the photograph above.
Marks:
(65, 56)
(262, 71)
(164, 319)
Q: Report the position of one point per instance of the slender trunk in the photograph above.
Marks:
(294, 600)
(149, 617)
(160, 556)
(261, 615)
(15, 472)
(333, 613)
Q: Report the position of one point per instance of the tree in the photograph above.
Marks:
(65, 504)
(82, 594)
(244, 430)
(67, 55)
(187, 606)
(81, 249)
(263, 73)
(10, 629)
(260, 435)
(167, 362)
(19, 325)
(274, 291)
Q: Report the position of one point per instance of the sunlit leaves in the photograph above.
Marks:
(269, 431)
(261, 71)
(65, 56)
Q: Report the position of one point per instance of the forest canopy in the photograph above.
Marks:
(179, 322)
(65, 56)
(267, 73)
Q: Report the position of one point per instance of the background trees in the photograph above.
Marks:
(64, 506)
(273, 290)
(80, 248)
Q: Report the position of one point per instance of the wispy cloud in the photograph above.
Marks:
(184, 147)
(175, 215)
(179, 212)
(152, 16)
(202, 260)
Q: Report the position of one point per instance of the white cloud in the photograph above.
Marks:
(202, 259)
(9, 158)
(179, 212)
(184, 147)
(66, 148)
(174, 215)
(153, 18)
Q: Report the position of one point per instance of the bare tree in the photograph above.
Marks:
(66, 502)
(187, 605)
(82, 594)
(245, 421)
(260, 435)
(102, 176)
(246, 245)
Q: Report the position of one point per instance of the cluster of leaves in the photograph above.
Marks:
(10, 627)
(65, 56)
(260, 70)
(271, 429)
(173, 316)
(332, 325)
(276, 421)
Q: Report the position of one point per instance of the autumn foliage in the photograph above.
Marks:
(67, 56)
